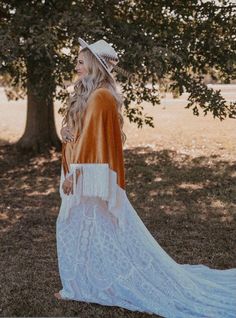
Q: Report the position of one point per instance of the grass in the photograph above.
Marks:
(187, 203)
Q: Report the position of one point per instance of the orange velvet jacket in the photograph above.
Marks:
(100, 140)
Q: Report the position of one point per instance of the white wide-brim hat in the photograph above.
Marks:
(104, 53)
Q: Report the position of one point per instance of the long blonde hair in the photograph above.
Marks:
(95, 78)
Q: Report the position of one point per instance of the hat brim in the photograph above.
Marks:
(86, 45)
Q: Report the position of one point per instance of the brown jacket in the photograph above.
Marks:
(100, 140)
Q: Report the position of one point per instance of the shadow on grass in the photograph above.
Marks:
(187, 204)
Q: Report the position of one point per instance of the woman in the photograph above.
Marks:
(106, 255)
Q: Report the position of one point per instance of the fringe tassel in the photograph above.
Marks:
(95, 180)
(112, 189)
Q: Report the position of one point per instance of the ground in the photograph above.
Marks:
(180, 177)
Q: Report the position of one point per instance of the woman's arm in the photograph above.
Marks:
(66, 134)
(67, 185)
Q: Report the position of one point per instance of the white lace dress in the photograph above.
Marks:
(106, 255)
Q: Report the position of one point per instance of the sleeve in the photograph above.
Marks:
(100, 141)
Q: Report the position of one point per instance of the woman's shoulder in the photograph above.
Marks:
(103, 98)
(102, 91)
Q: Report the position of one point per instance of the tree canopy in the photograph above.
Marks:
(159, 42)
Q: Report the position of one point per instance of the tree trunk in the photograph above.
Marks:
(40, 132)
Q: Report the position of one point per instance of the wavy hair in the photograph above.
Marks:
(95, 78)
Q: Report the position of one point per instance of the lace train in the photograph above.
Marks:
(102, 262)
